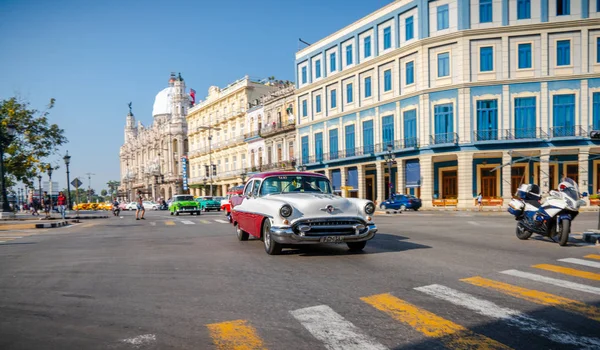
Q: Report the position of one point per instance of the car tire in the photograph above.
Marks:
(171, 213)
(356, 246)
(271, 247)
(403, 207)
(416, 209)
(219, 209)
(383, 207)
(176, 213)
(198, 213)
(241, 235)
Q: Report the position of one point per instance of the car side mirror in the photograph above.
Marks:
(584, 194)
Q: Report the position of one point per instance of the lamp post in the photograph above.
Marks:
(389, 158)
(243, 175)
(6, 138)
(40, 187)
(67, 159)
(204, 183)
(50, 187)
(210, 129)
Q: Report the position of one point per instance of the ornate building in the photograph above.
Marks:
(279, 129)
(151, 156)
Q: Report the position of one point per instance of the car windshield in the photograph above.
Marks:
(184, 198)
(295, 183)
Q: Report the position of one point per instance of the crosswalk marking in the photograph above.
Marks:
(581, 262)
(537, 297)
(569, 271)
(452, 335)
(554, 281)
(511, 317)
(592, 256)
(222, 221)
(237, 335)
(187, 222)
(152, 223)
(169, 223)
(205, 221)
(333, 330)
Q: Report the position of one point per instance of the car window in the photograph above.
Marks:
(255, 188)
(248, 188)
(184, 198)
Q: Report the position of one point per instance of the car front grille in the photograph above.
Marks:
(329, 226)
(188, 208)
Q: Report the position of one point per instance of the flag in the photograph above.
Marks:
(193, 96)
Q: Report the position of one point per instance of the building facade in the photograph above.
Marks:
(279, 129)
(217, 134)
(151, 156)
(470, 96)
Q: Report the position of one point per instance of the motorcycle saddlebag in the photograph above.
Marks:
(516, 207)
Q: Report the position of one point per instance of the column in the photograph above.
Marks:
(426, 165)
(465, 183)
(380, 174)
(584, 53)
(401, 176)
(544, 53)
(506, 177)
(584, 157)
(423, 125)
(584, 115)
(343, 180)
(153, 191)
(504, 123)
(464, 116)
(361, 181)
(544, 106)
(505, 58)
(545, 171)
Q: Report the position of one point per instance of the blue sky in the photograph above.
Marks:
(96, 56)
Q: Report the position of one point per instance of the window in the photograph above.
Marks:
(485, 11)
(333, 144)
(598, 50)
(525, 117)
(350, 140)
(319, 147)
(523, 9)
(349, 94)
(368, 87)
(563, 7)
(304, 149)
(524, 56)
(563, 115)
(409, 31)
(348, 55)
(442, 17)
(318, 103)
(387, 38)
(410, 72)
(304, 108)
(317, 69)
(597, 5)
(444, 123)
(486, 59)
(443, 64)
(303, 75)
(563, 53)
(332, 62)
(368, 139)
(487, 120)
(387, 130)
(596, 110)
(333, 98)
(387, 80)
(410, 128)
(367, 46)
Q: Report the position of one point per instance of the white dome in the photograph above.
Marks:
(162, 102)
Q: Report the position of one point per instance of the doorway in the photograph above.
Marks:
(370, 187)
(449, 184)
(489, 182)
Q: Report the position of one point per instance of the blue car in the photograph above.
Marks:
(401, 202)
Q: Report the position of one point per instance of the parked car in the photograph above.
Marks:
(148, 205)
(289, 208)
(401, 202)
(209, 203)
(131, 206)
(123, 205)
(184, 203)
(226, 204)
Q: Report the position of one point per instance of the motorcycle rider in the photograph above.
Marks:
(115, 207)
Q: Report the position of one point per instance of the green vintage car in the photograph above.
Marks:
(184, 203)
(209, 203)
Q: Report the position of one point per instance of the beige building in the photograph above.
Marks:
(217, 136)
(279, 129)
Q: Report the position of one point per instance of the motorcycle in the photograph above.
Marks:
(553, 217)
(116, 211)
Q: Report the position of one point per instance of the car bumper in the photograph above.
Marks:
(187, 210)
(286, 235)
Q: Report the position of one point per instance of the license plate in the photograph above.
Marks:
(332, 239)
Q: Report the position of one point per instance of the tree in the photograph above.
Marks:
(103, 193)
(35, 139)
(113, 185)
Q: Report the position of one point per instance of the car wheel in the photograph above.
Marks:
(403, 207)
(271, 247)
(219, 209)
(383, 207)
(171, 213)
(241, 235)
(176, 213)
(198, 212)
(416, 209)
(356, 246)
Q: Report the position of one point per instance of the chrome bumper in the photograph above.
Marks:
(286, 235)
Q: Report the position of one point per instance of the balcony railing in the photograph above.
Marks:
(450, 138)
(526, 133)
(568, 131)
(275, 128)
(489, 135)
(251, 134)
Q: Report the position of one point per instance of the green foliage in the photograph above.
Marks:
(35, 139)
(103, 193)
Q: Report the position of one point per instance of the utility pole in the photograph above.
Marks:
(90, 186)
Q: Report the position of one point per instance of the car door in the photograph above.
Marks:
(242, 216)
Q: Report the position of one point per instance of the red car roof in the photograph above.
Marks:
(284, 173)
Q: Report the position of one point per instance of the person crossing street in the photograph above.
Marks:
(140, 206)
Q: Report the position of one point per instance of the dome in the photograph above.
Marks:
(162, 102)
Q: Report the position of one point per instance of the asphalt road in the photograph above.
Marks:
(426, 281)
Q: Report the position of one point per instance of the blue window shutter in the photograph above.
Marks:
(444, 123)
(387, 80)
(350, 140)
(368, 87)
(333, 144)
(332, 62)
(304, 149)
(524, 56)
(442, 17)
(318, 68)
(523, 9)
(485, 11)
(563, 52)
(597, 5)
(487, 120)
(410, 72)
(368, 136)
(409, 31)
(349, 55)
(318, 103)
(349, 94)
(387, 38)
(387, 130)
(367, 46)
(563, 115)
(304, 108)
(525, 125)
(596, 111)
(443, 64)
(319, 147)
(563, 7)
(303, 75)
(333, 99)
(598, 49)
(410, 128)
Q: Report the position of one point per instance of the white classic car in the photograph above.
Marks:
(288, 208)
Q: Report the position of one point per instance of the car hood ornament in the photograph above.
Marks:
(329, 208)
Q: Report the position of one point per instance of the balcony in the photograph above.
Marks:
(568, 131)
(276, 128)
(447, 139)
(251, 135)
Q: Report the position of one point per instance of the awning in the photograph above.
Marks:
(413, 175)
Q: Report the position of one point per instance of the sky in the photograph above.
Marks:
(94, 57)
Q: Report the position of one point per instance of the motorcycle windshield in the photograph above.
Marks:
(572, 190)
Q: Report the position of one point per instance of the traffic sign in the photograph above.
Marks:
(76, 183)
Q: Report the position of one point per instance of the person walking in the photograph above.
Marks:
(62, 204)
(32, 204)
(47, 202)
(479, 201)
(140, 206)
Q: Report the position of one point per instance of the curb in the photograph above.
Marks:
(85, 217)
(52, 224)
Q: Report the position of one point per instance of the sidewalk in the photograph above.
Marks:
(24, 220)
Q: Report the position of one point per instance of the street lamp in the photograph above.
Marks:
(389, 158)
(67, 159)
(50, 187)
(40, 187)
(204, 183)
(5, 140)
(210, 129)
(244, 174)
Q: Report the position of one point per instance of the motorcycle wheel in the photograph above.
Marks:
(565, 230)
(522, 233)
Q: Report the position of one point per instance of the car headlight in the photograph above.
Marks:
(370, 208)
(286, 210)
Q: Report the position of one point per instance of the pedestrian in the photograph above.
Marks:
(32, 204)
(62, 204)
(140, 206)
(47, 201)
(479, 200)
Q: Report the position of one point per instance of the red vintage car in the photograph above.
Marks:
(233, 192)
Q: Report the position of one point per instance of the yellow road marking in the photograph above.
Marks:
(593, 256)
(205, 221)
(452, 335)
(170, 223)
(569, 271)
(238, 335)
(537, 297)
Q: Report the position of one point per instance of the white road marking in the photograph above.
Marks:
(187, 222)
(152, 223)
(13, 237)
(333, 330)
(140, 339)
(581, 262)
(474, 223)
(554, 281)
(510, 316)
(222, 221)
